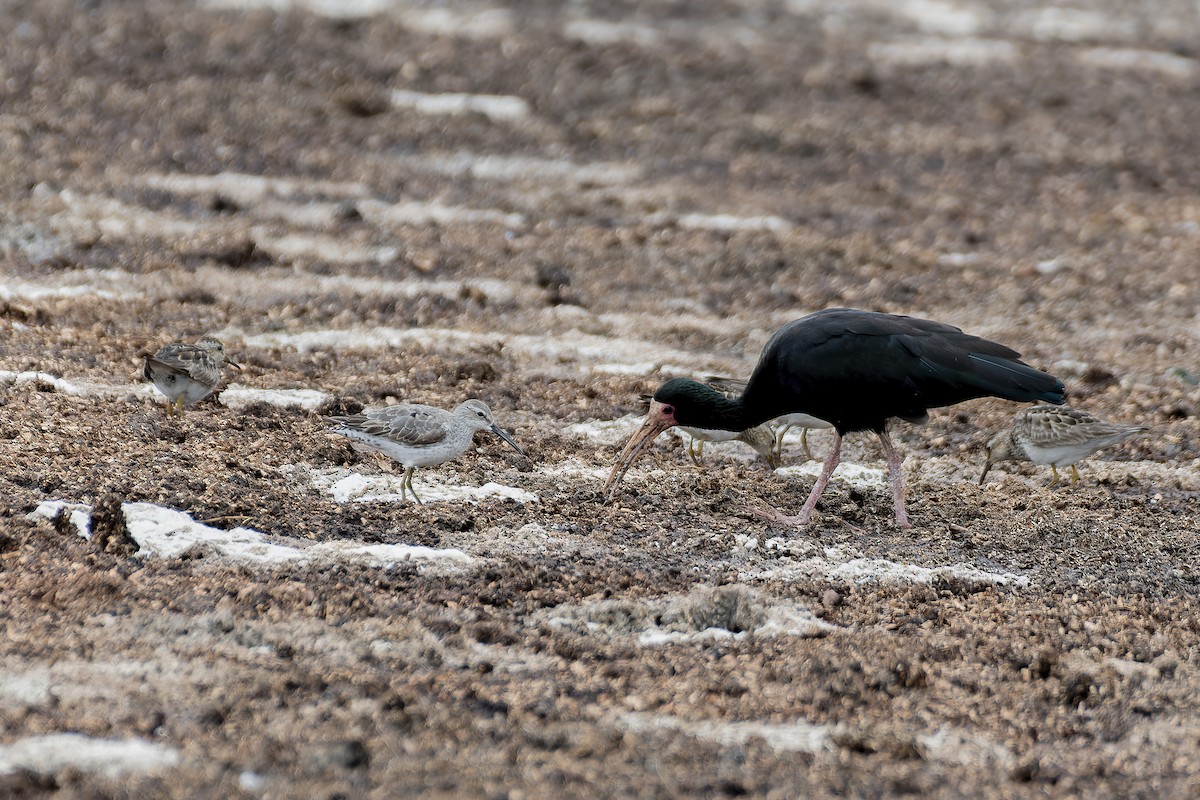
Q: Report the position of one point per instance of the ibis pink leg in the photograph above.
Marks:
(894, 462)
(805, 515)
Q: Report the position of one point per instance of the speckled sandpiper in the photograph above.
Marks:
(805, 422)
(186, 373)
(760, 437)
(420, 436)
(1054, 435)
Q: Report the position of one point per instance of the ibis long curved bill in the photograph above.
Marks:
(660, 417)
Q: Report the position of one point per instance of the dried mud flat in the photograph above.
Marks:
(552, 208)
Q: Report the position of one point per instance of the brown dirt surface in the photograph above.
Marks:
(552, 207)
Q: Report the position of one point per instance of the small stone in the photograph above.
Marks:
(109, 530)
(350, 754)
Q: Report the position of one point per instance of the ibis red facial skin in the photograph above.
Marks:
(855, 369)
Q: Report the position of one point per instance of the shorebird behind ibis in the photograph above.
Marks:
(761, 438)
(805, 422)
(420, 436)
(1058, 436)
(856, 370)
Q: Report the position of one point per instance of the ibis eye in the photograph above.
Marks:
(668, 409)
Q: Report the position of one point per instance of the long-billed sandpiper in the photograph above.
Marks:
(1054, 435)
(420, 436)
(186, 373)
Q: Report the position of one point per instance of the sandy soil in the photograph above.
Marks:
(552, 208)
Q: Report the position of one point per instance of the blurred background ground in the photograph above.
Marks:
(552, 207)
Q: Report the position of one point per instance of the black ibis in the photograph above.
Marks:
(856, 370)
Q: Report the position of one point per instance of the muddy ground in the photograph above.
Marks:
(570, 203)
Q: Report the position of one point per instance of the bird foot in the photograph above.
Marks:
(779, 518)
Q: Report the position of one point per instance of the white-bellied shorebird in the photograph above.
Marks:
(1054, 435)
(784, 423)
(760, 437)
(420, 436)
(186, 373)
(856, 370)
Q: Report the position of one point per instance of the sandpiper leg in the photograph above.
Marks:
(406, 484)
(778, 446)
(696, 451)
(1074, 475)
(1056, 479)
(805, 515)
(894, 461)
(808, 453)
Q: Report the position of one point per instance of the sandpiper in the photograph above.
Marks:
(760, 437)
(186, 373)
(1054, 435)
(732, 387)
(420, 436)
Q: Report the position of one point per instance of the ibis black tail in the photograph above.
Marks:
(1015, 380)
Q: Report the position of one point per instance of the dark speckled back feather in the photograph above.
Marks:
(197, 363)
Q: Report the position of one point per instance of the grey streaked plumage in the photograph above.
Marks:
(416, 435)
(186, 373)
(1054, 435)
